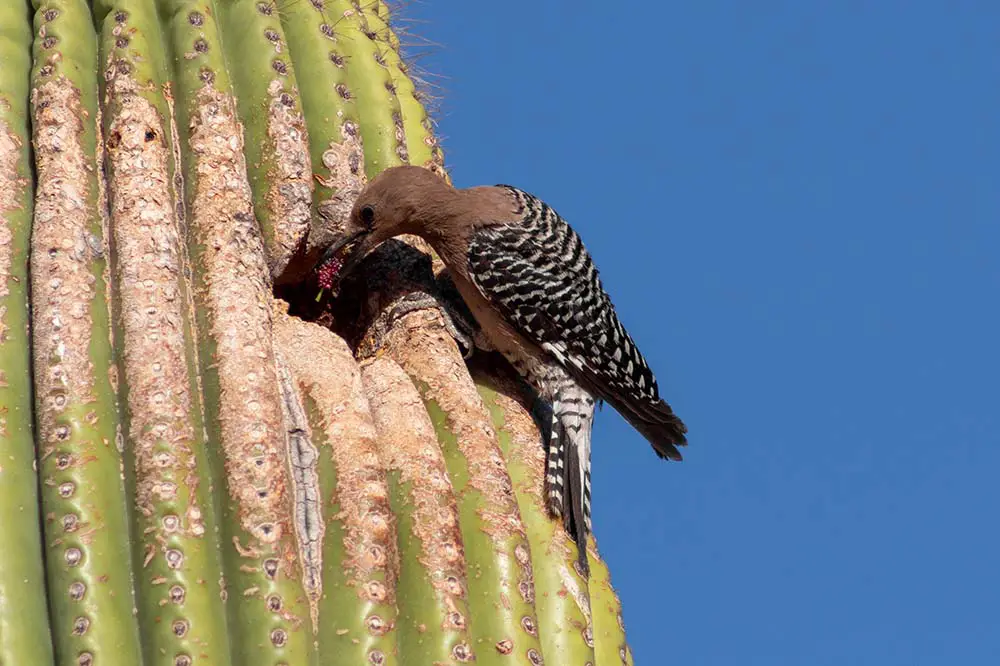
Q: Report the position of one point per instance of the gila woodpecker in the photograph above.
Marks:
(536, 294)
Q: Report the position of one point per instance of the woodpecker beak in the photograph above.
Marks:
(338, 260)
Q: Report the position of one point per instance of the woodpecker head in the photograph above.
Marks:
(398, 201)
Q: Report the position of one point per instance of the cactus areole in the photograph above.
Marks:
(194, 470)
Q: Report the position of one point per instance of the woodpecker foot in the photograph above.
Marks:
(464, 333)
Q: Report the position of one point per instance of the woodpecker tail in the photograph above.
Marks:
(568, 476)
(656, 422)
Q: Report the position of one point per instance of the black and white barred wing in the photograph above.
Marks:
(541, 278)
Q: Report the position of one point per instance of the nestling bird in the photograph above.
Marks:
(536, 295)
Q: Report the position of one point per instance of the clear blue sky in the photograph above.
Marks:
(796, 208)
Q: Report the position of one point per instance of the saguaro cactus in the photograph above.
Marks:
(192, 471)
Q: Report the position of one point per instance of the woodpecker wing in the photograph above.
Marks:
(540, 277)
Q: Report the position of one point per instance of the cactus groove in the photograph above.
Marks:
(193, 471)
(24, 624)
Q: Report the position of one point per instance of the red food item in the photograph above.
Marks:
(327, 274)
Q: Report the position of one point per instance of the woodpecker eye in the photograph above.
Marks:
(367, 216)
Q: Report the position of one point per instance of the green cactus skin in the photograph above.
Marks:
(610, 647)
(432, 592)
(422, 148)
(501, 590)
(362, 37)
(421, 145)
(24, 622)
(176, 550)
(276, 146)
(79, 438)
(332, 116)
(268, 608)
(561, 595)
(357, 610)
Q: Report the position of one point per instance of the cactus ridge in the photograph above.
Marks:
(24, 625)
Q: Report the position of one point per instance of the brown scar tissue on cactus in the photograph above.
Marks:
(200, 463)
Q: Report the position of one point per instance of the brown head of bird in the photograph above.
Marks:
(400, 200)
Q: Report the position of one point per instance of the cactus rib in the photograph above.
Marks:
(333, 119)
(176, 550)
(24, 622)
(561, 596)
(432, 592)
(422, 147)
(501, 589)
(610, 647)
(83, 497)
(269, 619)
(357, 614)
(362, 38)
(276, 145)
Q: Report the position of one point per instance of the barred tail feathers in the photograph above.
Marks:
(568, 467)
(655, 421)
(556, 464)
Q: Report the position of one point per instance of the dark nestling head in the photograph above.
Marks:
(400, 200)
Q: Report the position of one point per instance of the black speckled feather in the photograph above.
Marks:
(537, 272)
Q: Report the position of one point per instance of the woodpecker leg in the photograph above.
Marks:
(464, 333)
